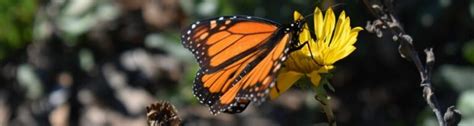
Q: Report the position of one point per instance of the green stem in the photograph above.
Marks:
(324, 101)
(323, 98)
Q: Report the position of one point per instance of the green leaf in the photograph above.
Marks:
(468, 51)
(459, 77)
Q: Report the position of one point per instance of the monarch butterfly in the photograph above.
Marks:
(239, 57)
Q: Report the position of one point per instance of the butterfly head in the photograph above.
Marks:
(296, 26)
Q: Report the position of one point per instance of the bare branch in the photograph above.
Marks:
(386, 21)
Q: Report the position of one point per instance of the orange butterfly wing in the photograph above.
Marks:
(239, 57)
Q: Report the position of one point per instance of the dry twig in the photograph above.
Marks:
(162, 113)
(386, 21)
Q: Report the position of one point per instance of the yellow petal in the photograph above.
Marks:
(285, 79)
(305, 35)
(340, 28)
(346, 30)
(315, 78)
(342, 54)
(329, 21)
(318, 23)
(325, 69)
(349, 40)
(357, 29)
(353, 35)
(297, 16)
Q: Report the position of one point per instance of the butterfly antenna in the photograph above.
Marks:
(333, 6)
(337, 5)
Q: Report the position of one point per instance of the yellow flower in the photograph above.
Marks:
(334, 41)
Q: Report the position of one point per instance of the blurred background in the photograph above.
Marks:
(100, 62)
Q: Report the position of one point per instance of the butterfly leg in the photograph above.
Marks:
(306, 43)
